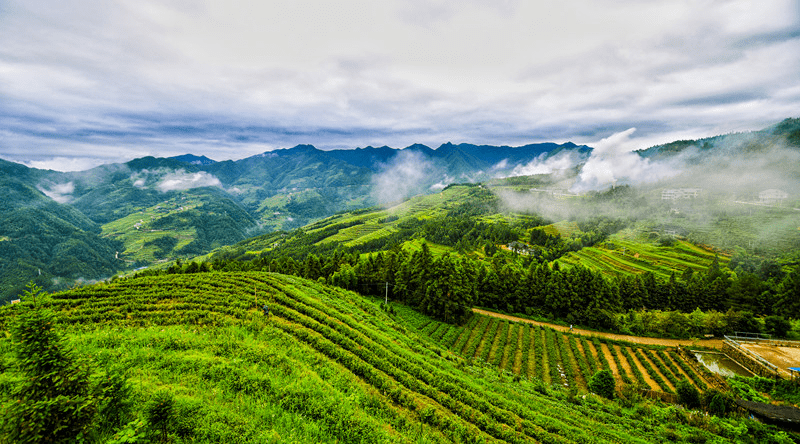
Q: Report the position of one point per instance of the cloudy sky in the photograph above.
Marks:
(93, 81)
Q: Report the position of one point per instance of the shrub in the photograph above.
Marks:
(602, 383)
(159, 413)
(687, 394)
(716, 402)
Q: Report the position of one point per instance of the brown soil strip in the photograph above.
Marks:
(611, 364)
(581, 349)
(658, 370)
(623, 362)
(532, 358)
(495, 344)
(572, 360)
(713, 343)
(653, 385)
(594, 352)
(545, 359)
(682, 374)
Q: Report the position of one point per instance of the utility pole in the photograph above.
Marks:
(387, 293)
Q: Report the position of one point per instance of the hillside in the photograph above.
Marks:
(47, 242)
(326, 365)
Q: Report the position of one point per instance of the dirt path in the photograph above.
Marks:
(713, 343)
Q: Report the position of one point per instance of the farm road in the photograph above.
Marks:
(714, 343)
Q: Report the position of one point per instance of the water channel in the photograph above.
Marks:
(722, 364)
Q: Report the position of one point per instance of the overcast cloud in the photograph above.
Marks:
(91, 81)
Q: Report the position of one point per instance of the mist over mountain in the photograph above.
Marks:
(150, 209)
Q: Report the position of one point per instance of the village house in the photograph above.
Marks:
(772, 196)
(679, 193)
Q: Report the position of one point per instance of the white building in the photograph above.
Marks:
(679, 193)
(772, 196)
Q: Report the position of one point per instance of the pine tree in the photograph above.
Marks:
(53, 402)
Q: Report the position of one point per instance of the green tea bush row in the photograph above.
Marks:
(583, 366)
(587, 351)
(662, 367)
(553, 360)
(566, 363)
(475, 338)
(510, 350)
(526, 350)
(499, 345)
(634, 368)
(487, 340)
(538, 348)
(699, 382)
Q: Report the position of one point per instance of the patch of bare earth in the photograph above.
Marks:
(658, 370)
(782, 357)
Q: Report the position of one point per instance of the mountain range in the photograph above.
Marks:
(63, 228)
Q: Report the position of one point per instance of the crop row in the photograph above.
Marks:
(363, 339)
(561, 358)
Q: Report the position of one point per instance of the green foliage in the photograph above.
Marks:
(741, 389)
(717, 403)
(603, 384)
(777, 326)
(54, 400)
(688, 394)
(160, 413)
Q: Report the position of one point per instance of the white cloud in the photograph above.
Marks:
(542, 165)
(403, 176)
(128, 78)
(64, 163)
(59, 192)
(613, 162)
(181, 180)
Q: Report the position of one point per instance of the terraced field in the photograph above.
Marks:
(556, 357)
(327, 365)
(620, 256)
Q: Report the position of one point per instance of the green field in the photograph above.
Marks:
(134, 230)
(619, 256)
(328, 365)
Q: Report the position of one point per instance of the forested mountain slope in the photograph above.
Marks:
(50, 243)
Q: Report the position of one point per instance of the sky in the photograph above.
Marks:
(97, 81)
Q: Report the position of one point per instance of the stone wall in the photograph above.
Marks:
(747, 361)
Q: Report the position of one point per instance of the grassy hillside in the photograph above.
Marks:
(325, 366)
